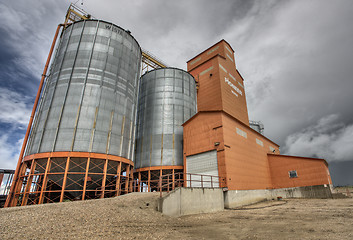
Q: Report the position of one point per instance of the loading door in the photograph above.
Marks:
(204, 164)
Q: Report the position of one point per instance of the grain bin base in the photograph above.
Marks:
(69, 176)
(149, 178)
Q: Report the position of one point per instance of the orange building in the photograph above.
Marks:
(219, 141)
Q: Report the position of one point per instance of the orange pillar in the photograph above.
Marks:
(118, 177)
(85, 181)
(65, 179)
(45, 179)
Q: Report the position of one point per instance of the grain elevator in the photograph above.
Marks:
(99, 128)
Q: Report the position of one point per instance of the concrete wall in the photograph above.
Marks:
(318, 191)
(238, 198)
(186, 201)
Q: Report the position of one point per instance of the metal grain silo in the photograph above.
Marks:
(167, 99)
(82, 141)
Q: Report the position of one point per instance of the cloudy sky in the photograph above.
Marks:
(296, 58)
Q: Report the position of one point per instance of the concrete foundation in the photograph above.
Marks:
(238, 198)
(186, 201)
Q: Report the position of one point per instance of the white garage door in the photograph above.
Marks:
(204, 164)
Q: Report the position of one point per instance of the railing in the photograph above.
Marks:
(169, 182)
(165, 183)
(6, 177)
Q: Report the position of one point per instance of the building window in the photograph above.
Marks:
(241, 133)
(258, 141)
(293, 174)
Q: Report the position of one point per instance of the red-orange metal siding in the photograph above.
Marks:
(311, 171)
(246, 162)
(222, 87)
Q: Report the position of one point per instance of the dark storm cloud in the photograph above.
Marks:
(28, 27)
(329, 138)
(341, 173)
(297, 64)
(174, 30)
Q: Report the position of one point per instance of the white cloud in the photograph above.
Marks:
(13, 108)
(29, 28)
(329, 138)
(9, 152)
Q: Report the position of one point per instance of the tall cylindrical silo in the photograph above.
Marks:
(167, 99)
(82, 141)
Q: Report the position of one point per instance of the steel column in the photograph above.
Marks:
(104, 178)
(29, 183)
(127, 179)
(85, 181)
(18, 186)
(65, 178)
(149, 181)
(139, 182)
(45, 179)
(118, 177)
(173, 179)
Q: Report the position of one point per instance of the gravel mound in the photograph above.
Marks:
(131, 216)
(134, 216)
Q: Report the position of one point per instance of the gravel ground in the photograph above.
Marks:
(134, 216)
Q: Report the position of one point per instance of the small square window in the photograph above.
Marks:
(293, 174)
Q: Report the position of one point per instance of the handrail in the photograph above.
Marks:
(185, 180)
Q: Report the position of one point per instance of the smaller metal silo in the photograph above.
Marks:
(167, 99)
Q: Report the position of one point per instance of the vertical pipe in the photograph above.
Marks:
(15, 179)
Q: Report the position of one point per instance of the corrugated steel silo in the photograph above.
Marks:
(82, 141)
(167, 99)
